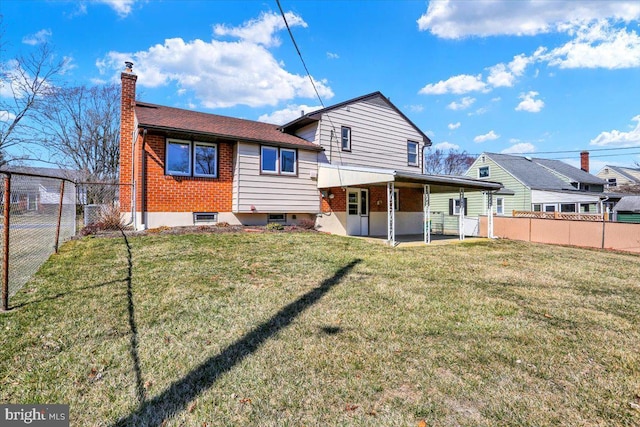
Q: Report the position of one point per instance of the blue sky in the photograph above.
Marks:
(497, 76)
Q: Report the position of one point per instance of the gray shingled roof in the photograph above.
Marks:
(530, 173)
(572, 173)
(628, 204)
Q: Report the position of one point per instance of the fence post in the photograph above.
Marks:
(5, 261)
(59, 215)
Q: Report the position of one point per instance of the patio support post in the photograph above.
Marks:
(427, 214)
(461, 215)
(490, 214)
(391, 214)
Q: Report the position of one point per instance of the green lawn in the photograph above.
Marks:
(306, 329)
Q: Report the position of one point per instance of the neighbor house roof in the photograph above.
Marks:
(530, 173)
(572, 173)
(628, 204)
(316, 115)
(177, 120)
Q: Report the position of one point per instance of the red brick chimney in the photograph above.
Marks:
(584, 161)
(127, 120)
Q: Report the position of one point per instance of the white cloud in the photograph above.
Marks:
(616, 138)
(486, 137)
(416, 108)
(37, 38)
(597, 45)
(463, 83)
(453, 126)
(505, 74)
(445, 146)
(530, 104)
(221, 73)
(464, 103)
(6, 116)
(288, 114)
(331, 55)
(121, 7)
(261, 31)
(520, 148)
(454, 19)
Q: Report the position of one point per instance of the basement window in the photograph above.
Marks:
(277, 218)
(205, 217)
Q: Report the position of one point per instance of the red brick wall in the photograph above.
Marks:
(410, 200)
(167, 193)
(338, 203)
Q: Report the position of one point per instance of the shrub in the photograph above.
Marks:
(274, 226)
(109, 218)
(222, 224)
(306, 224)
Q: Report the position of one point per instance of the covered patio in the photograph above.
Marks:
(357, 182)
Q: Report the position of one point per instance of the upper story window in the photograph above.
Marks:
(274, 160)
(483, 172)
(186, 158)
(613, 182)
(412, 153)
(345, 138)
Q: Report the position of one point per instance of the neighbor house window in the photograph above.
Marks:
(412, 153)
(483, 172)
(613, 182)
(549, 208)
(346, 138)
(537, 207)
(186, 158)
(32, 202)
(500, 206)
(454, 206)
(178, 157)
(205, 160)
(567, 207)
(274, 160)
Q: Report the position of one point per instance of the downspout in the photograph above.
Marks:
(604, 222)
(133, 181)
(143, 180)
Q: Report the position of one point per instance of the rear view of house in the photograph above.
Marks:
(354, 168)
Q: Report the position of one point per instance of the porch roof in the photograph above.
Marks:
(345, 176)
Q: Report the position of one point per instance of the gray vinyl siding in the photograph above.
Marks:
(379, 136)
(274, 193)
(308, 132)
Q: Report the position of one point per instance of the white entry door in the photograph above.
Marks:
(357, 212)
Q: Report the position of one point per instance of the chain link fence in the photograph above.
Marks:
(41, 212)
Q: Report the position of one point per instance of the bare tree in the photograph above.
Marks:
(80, 127)
(452, 163)
(24, 81)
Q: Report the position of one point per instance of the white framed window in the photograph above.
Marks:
(32, 202)
(205, 159)
(15, 198)
(279, 217)
(567, 207)
(499, 205)
(278, 161)
(200, 217)
(613, 182)
(178, 160)
(345, 138)
(412, 153)
(454, 206)
(288, 163)
(550, 208)
(537, 207)
(483, 172)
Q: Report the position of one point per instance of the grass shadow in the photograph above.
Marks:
(180, 393)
